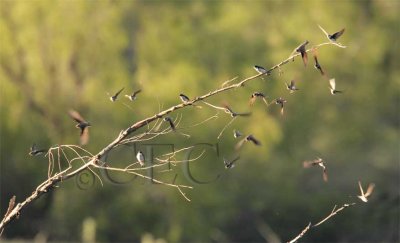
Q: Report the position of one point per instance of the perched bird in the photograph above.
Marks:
(133, 97)
(234, 114)
(34, 151)
(82, 125)
(281, 101)
(302, 50)
(364, 197)
(230, 163)
(171, 123)
(291, 86)
(184, 98)
(248, 138)
(317, 65)
(256, 95)
(140, 158)
(237, 134)
(334, 36)
(261, 70)
(114, 97)
(332, 87)
(320, 162)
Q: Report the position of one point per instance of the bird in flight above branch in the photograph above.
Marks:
(114, 97)
(291, 86)
(34, 151)
(320, 162)
(132, 96)
(332, 87)
(364, 197)
(230, 163)
(248, 138)
(256, 95)
(82, 125)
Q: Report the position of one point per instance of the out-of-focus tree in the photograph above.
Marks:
(57, 55)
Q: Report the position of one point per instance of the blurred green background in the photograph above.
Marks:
(57, 55)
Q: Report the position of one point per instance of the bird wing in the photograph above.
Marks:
(362, 191)
(336, 35)
(332, 83)
(119, 91)
(240, 144)
(325, 175)
(326, 33)
(253, 139)
(137, 92)
(371, 187)
(84, 136)
(76, 116)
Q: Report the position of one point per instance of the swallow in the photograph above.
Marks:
(114, 97)
(171, 123)
(140, 158)
(317, 65)
(302, 50)
(133, 97)
(364, 197)
(261, 70)
(248, 138)
(291, 86)
(82, 125)
(184, 98)
(34, 151)
(234, 114)
(320, 162)
(332, 87)
(237, 134)
(280, 101)
(334, 36)
(230, 163)
(256, 95)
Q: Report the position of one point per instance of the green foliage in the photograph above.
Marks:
(58, 55)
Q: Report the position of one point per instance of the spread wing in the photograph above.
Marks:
(326, 33)
(371, 187)
(76, 116)
(332, 83)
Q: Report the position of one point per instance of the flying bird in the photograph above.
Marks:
(302, 50)
(234, 114)
(82, 125)
(317, 65)
(334, 36)
(140, 158)
(364, 197)
(256, 95)
(114, 97)
(332, 87)
(281, 101)
(34, 151)
(248, 138)
(171, 123)
(133, 97)
(230, 163)
(320, 162)
(237, 134)
(291, 86)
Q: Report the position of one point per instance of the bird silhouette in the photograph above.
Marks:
(248, 138)
(364, 197)
(302, 50)
(132, 96)
(320, 162)
(171, 123)
(256, 95)
(317, 65)
(332, 87)
(33, 151)
(114, 97)
(291, 86)
(332, 37)
(82, 125)
(230, 163)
